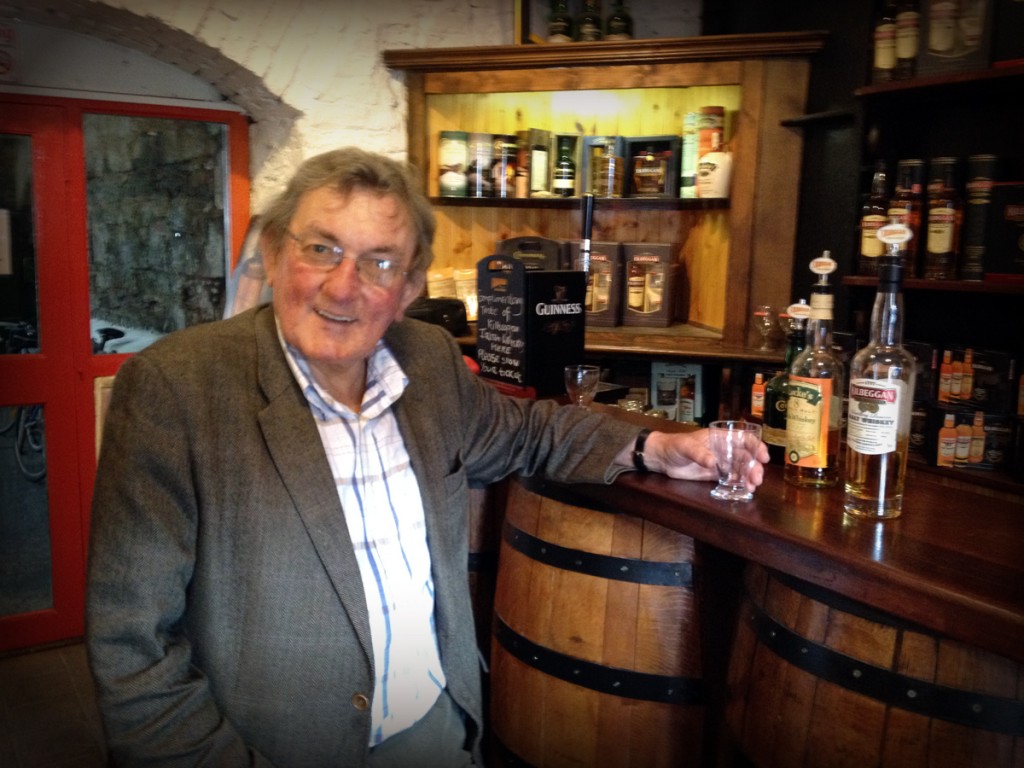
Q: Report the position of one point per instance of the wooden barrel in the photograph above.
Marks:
(595, 659)
(816, 679)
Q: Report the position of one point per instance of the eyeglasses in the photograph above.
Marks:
(380, 272)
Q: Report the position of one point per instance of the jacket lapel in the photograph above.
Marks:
(296, 450)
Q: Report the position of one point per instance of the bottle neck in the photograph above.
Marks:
(887, 317)
(796, 345)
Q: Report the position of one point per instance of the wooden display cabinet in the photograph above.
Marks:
(735, 254)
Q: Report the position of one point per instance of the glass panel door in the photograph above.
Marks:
(41, 544)
(156, 192)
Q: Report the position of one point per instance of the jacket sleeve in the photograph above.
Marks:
(499, 435)
(156, 706)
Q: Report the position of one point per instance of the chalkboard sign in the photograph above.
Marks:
(530, 325)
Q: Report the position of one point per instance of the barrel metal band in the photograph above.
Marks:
(657, 573)
(630, 684)
(974, 710)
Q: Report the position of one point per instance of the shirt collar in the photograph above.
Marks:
(385, 383)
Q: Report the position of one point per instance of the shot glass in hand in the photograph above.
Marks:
(734, 444)
(581, 383)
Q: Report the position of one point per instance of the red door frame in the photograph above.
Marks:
(63, 374)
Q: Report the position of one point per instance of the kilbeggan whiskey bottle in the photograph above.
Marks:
(881, 398)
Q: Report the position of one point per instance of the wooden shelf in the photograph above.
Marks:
(573, 203)
(607, 52)
(952, 80)
(681, 340)
(954, 286)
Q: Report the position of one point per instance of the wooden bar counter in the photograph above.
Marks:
(953, 562)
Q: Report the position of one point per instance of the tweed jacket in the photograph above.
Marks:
(225, 621)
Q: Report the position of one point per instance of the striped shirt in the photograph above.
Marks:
(383, 509)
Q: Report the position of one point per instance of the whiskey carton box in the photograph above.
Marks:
(604, 283)
(1008, 33)
(964, 448)
(993, 380)
(652, 284)
(1004, 239)
(530, 325)
(534, 252)
(678, 389)
(955, 37)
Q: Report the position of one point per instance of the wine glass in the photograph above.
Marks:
(765, 321)
(581, 383)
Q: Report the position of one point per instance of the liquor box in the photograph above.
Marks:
(594, 148)
(926, 381)
(652, 166)
(1008, 34)
(652, 285)
(1004, 252)
(1017, 456)
(678, 389)
(955, 37)
(604, 284)
(534, 252)
(530, 325)
(994, 386)
(998, 429)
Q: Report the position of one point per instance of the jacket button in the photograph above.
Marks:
(360, 702)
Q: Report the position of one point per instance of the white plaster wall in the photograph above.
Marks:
(322, 59)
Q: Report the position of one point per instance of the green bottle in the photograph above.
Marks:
(560, 27)
(619, 25)
(775, 396)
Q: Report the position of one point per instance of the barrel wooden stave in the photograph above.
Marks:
(546, 721)
(783, 716)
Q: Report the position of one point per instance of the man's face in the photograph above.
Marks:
(333, 316)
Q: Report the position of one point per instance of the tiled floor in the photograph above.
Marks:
(48, 714)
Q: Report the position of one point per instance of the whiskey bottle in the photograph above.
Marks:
(946, 450)
(563, 182)
(977, 450)
(962, 447)
(967, 375)
(636, 284)
(883, 66)
(773, 430)
(872, 216)
(908, 36)
(560, 23)
(956, 378)
(944, 211)
(757, 398)
(905, 208)
(619, 24)
(945, 376)
(589, 27)
(815, 391)
(881, 398)
(649, 170)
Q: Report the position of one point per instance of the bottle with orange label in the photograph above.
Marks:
(967, 375)
(946, 451)
(815, 393)
(945, 376)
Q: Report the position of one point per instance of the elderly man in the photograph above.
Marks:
(277, 572)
